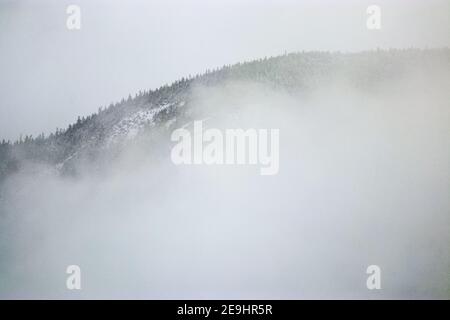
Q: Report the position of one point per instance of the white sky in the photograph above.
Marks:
(50, 75)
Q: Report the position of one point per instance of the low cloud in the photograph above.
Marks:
(363, 179)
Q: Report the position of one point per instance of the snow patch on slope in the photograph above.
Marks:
(129, 127)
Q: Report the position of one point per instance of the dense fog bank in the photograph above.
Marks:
(363, 179)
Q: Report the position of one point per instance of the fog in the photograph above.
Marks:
(50, 75)
(364, 179)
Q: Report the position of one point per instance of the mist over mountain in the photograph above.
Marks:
(364, 179)
(173, 105)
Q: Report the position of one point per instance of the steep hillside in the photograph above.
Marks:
(170, 105)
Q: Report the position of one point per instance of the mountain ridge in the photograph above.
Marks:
(169, 105)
